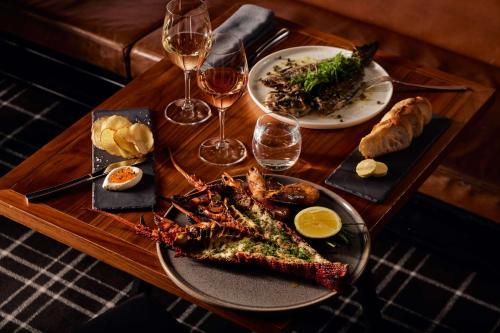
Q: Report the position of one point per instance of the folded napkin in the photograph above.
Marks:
(249, 23)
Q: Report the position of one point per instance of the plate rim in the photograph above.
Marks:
(216, 301)
(262, 107)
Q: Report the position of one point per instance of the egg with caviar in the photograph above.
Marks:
(122, 178)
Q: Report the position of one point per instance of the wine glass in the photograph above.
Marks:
(186, 38)
(222, 78)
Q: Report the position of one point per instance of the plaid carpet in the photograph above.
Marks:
(47, 287)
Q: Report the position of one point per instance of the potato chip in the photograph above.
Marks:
(116, 122)
(107, 141)
(121, 137)
(109, 144)
(118, 136)
(96, 132)
(141, 137)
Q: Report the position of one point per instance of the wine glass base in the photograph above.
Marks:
(199, 113)
(228, 153)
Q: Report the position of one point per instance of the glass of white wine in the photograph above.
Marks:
(186, 38)
(222, 78)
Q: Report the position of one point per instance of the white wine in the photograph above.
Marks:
(186, 37)
(186, 49)
(222, 86)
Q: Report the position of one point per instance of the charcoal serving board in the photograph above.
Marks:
(376, 189)
(140, 196)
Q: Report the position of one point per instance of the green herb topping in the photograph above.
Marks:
(329, 71)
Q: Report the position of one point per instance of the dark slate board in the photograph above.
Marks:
(399, 163)
(140, 196)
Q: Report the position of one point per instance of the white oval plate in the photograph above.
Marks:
(356, 113)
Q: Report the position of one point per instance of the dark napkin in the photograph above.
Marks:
(140, 196)
(399, 163)
(249, 23)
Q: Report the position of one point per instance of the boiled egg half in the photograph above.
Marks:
(122, 178)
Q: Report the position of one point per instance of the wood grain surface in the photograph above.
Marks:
(66, 218)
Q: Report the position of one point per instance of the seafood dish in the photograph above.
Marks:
(242, 222)
(301, 87)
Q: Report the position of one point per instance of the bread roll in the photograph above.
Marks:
(404, 122)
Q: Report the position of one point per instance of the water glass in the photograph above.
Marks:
(276, 141)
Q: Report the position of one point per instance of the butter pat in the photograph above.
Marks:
(366, 168)
(369, 167)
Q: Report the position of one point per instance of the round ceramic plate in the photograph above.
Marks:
(355, 113)
(255, 289)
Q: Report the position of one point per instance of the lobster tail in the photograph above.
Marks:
(328, 275)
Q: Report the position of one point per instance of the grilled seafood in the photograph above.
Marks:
(232, 243)
(231, 225)
(322, 87)
(298, 193)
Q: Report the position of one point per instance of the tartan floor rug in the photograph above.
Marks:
(48, 287)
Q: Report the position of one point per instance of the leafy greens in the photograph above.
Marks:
(329, 71)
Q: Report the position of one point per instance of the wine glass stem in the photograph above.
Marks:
(188, 105)
(221, 143)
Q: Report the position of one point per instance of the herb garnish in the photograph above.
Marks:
(329, 71)
(340, 239)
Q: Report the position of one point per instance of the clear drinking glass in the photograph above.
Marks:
(186, 38)
(222, 79)
(276, 141)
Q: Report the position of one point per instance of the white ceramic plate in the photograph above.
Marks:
(356, 113)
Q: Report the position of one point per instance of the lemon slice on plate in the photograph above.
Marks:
(317, 222)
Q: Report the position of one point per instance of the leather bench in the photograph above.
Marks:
(97, 32)
(456, 36)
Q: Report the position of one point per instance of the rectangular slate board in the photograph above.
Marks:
(376, 189)
(140, 196)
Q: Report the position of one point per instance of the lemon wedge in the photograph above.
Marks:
(317, 222)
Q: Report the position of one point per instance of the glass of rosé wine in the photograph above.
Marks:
(222, 78)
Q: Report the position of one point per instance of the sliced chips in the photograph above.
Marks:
(116, 122)
(96, 131)
(141, 137)
(118, 136)
(121, 137)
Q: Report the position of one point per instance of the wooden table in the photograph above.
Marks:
(66, 219)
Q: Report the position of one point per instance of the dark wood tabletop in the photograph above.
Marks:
(66, 218)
